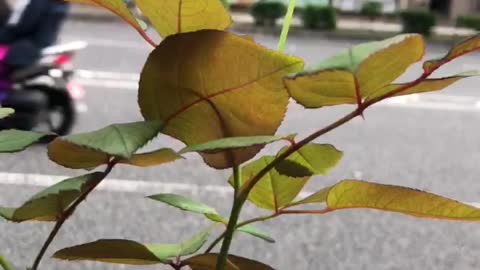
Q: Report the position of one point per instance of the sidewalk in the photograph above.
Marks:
(346, 27)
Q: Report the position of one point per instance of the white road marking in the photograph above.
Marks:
(113, 185)
(109, 84)
(129, 82)
(112, 43)
(105, 75)
(129, 186)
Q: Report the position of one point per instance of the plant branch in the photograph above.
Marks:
(232, 222)
(4, 264)
(248, 186)
(286, 26)
(68, 212)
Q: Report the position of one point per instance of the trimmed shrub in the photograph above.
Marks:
(319, 17)
(469, 21)
(268, 12)
(418, 21)
(372, 10)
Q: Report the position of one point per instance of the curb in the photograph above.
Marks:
(339, 34)
(81, 12)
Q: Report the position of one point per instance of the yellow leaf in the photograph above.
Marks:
(154, 158)
(386, 65)
(462, 48)
(349, 77)
(324, 88)
(170, 17)
(429, 85)
(350, 194)
(75, 157)
(209, 85)
(209, 261)
(317, 197)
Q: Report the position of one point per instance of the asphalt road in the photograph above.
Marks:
(428, 142)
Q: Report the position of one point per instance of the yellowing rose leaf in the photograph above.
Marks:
(209, 85)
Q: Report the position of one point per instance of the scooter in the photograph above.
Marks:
(50, 83)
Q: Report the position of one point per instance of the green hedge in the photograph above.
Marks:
(268, 12)
(319, 17)
(418, 21)
(469, 21)
(372, 10)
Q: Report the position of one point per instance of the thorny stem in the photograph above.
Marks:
(242, 194)
(232, 223)
(68, 212)
(245, 190)
(265, 218)
(286, 26)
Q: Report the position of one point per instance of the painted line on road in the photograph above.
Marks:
(129, 82)
(109, 43)
(109, 84)
(129, 186)
(113, 185)
(105, 75)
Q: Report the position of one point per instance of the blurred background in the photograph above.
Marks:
(429, 141)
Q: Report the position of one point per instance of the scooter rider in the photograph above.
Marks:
(32, 26)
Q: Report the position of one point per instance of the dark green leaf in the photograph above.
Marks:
(17, 140)
(130, 252)
(257, 233)
(89, 150)
(233, 143)
(48, 204)
(209, 261)
(312, 159)
(115, 251)
(184, 203)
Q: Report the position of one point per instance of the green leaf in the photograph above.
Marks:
(114, 251)
(154, 158)
(189, 205)
(354, 194)
(346, 78)
(274, 190)
(130, 252)
(92, 149)
(428, 85)
(312, 159)
(48, 204)
(13, 140)
(184, 203)
(239, 94)
(245, 229)
(220, 145)
(257, 233)
(208, 262)
(467, 46)
(4, 112)
(177, 16)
